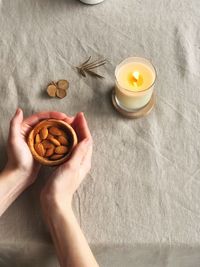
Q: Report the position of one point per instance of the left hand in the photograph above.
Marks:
(20, 158)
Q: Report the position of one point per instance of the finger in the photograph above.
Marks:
(79, 153)
(35, 118)
(15, 123)
(81, 127)
(69, 120)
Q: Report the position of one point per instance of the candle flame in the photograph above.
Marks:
(135, 79)
(136, 75)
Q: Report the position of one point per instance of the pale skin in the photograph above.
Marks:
(21, 172)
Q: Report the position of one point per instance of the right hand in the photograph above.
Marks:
(65, 180)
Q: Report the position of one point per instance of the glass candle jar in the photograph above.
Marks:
(91, 2)
(135, 79)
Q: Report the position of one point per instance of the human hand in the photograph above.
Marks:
(21, 169)
(20, 158)
(65, 180)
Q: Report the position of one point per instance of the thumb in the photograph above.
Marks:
(15, 123)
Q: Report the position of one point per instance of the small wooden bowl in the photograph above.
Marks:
(71, 135)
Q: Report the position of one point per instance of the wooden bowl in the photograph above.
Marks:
(67, 131)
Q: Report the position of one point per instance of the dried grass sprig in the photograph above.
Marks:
(87, 67)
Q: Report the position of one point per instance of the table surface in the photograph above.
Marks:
(142, 196)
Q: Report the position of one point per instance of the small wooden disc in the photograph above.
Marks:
(61, 93)
(137, 113)
(63, 84)
(51, 90)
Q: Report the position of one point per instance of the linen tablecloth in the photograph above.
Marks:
(140, 205)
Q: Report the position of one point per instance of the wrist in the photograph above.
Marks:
(19, 175)
(22, 175)
(55, 213)
(13, 177)
(10, 187)
(53, 206)
(12, 167)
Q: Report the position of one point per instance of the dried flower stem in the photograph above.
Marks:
(87, 67)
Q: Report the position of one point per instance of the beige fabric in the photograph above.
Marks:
(144, 190)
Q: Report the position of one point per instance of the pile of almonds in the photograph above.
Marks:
(58, 89)
(51, 143)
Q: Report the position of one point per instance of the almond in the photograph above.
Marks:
(37, 139)
(40, 149)
(61, 149)
(47, 144)
(43, 133)
(63, 140)
(49, 152)
(56, 131)
(56, 156)
(50, 136)
(54, 141)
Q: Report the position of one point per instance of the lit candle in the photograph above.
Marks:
(135, 78)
